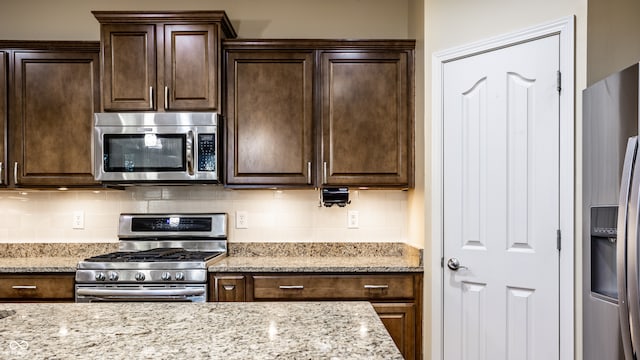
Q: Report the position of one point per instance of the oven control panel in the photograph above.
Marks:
(141, 276)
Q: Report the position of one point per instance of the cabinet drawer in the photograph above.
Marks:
(37, 287)
(329, 287)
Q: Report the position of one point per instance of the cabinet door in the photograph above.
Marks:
(366, 122)
(399, 319)
(55, 97)
(4, 68)
(129, 57)
(270, 118)
(191, 67)
(228, 288)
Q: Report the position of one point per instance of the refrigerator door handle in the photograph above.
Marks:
(626, 230)
(633, 284)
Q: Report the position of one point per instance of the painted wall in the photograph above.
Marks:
(72, 19)
(285, 216)
(450, 24)
(612, 35)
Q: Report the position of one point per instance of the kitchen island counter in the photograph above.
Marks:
(256, 330)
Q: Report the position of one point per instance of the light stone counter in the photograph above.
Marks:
(317, 264)
(257, 330)
(39, 264)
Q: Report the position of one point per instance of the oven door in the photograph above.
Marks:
(141, 293)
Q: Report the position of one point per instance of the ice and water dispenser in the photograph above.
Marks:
(604, 281)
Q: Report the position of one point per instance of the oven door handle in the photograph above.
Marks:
(154, 292)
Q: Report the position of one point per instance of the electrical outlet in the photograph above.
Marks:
(242, 220)
(77, 221)
(353, 219)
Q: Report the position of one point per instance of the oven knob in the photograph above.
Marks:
(100, 276)
(165, 276)
(113, 276)
(140, 276)
(179, 276)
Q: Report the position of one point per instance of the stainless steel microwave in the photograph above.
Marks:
(156, 147)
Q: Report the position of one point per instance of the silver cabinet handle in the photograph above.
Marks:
(15, 173)
(1, 168)
(291, 287)
(151, 97)
(308, 172)
(166, 97)
(376, 286)
(229, 287)
(24, 287)
(324, 172)
(454, 264)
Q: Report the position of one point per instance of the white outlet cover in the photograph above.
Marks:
(242, 219)
(77, 221)
(353, 219)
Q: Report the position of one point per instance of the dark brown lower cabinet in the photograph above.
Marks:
(396, 297)
(400, 321)
(57, 287)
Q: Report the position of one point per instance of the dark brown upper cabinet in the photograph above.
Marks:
(53, 90)
(308, 113)
(162, 61)
(367, 117)
(270, 117)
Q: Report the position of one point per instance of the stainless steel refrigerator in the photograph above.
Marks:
(611, 213)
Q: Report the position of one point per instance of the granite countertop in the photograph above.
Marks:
(39, 264)
(242, 257)
(255, 330)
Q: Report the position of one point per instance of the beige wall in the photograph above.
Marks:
(450, 24)
(614, 26)
(72, 19)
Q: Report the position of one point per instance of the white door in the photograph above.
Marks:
(501, 203)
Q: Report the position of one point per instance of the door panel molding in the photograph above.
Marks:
(565, 28)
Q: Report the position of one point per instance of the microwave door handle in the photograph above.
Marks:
(627, 228)
(190, 152)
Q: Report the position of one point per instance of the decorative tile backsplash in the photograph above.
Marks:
(272, 215)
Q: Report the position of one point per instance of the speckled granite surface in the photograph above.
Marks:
(75, 250)
(250, 257)
(327, 249)
(58, 257)
(258, 330)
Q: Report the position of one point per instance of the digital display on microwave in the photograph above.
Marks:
(144, 152)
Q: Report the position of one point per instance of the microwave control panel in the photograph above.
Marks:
(206, 152)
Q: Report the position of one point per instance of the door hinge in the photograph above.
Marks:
(442, 262)
(559, 80)
(559, 239)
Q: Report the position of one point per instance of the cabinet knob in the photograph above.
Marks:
(229, 287)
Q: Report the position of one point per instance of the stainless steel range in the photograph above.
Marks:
(162, 257)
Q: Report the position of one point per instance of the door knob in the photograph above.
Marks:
(454, 264)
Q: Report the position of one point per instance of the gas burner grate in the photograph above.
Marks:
(155, 255)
